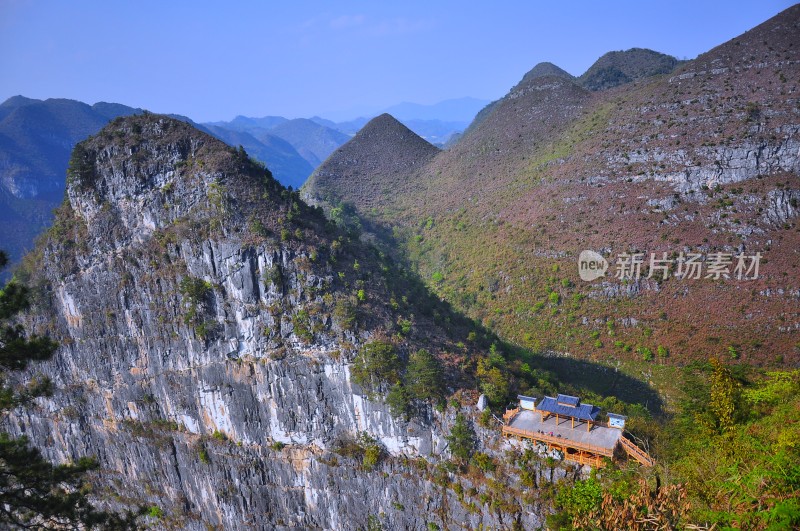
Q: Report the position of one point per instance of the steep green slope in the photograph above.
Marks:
(728, 459)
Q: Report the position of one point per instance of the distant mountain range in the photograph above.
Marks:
(436, 123)
(289, 166)
(454, 110)
(312, 141)
(36, 139)
(37, 136)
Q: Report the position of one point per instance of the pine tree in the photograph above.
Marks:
(376, 364)
(34, 493)
(461, 439)
(424, 376)
(398, 401)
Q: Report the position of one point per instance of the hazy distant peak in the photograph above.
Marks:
(265, 122)
(18, 101)
(112, 110)
(450, 110)
(312, 140)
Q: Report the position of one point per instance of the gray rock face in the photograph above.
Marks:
(782, 205)
(219, 407)
(720, 165)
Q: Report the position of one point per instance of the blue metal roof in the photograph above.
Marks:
(568, 400)
(579, 411)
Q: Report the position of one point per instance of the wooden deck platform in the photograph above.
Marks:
(586, 444)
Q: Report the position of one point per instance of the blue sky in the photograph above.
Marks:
(212, 61)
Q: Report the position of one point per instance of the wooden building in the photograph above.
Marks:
(563, 423)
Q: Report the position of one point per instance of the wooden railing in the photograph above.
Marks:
(558, 441)
(510, 414)
(637, 453)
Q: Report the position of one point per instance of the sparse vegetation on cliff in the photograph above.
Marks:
(33, 491)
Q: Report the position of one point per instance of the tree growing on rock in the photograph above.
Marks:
(376, 364)
(424, 376)
(461, 439)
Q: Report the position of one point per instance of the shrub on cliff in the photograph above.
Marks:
(376, 364)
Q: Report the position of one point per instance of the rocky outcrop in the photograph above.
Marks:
(691, 170)
(782, 206)
(201, 360)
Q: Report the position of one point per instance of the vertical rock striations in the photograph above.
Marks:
(207, 318)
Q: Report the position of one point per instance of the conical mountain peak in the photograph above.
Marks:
(386, 126)
(387, 148)
(546, 69)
